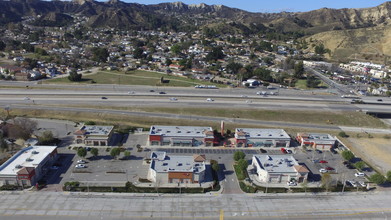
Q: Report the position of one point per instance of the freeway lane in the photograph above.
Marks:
(58, 205)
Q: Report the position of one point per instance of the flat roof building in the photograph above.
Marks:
(94, 135)
(176, 169)
(27, 166)
(255, 137)
(180, 136)
(278, 169)
(318, 141)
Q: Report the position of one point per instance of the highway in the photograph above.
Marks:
(65, 205)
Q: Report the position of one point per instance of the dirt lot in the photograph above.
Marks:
(376, 151)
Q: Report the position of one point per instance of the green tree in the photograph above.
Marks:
(3, 144)
(312, 82)
(378, 179)
(74, 76)
(115, 152)
(359, 165)
(168, 61)
(46, 138)
(243, 164)
(100, 54)
(239, 155)
(138, 53)
(347, 155)
(81, 152)
(127, 154)
(388, 175)
(233, 67)
(94, 151)
(40, 51)
(215, 167)
(176, 49)
(215, 54)
(263, 74)
(2, 45)
(299, 70)
(343, 134)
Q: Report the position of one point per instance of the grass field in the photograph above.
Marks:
(302, 84)
(137, 77)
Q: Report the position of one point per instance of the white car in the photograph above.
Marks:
(323, 171)
(288, 151)
(353, 183)
(209, 100)
(173, 99)
(291, 183)
(131, 92)
(359, 174)
(26, 98)
(80, 166)
(362, 183)
(81, 161)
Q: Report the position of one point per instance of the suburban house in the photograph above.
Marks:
(176, 169)
(316, 140)
(278, 169)
(180, 136)
(27, 166)
(254, 137)
(92, 135)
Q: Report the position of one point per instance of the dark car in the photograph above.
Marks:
(380, 100)
(152, 90)
(329, 168)
(103, 97)
(162, 93)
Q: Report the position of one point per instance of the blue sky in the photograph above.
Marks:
(277, 5)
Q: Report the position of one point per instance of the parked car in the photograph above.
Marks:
(80, 166)
(291, 183)
(81, 161)
(353, 183)
(359, 174)
(54, 167)
(323, 171)
(283, 150)
(329, 168)
(362, 183)
(288, 151)
(315, 161)
(322, 161)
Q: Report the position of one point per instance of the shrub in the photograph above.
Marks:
(239, 155)
(378, 179)
(347, 155)
(343, 134)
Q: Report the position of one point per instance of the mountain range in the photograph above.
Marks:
(364, 31)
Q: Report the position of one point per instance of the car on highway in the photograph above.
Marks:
(322, 161)
(249, 101)
(161, 93)
(323, 171)
(103, 97)
(209, 100)
(151, 90)
(173, 99)
(291, 183)
(81, 161)
(359, 174)
(80, 166)
(243, 96)
(26, 98)
(380, 100)
(131, 92)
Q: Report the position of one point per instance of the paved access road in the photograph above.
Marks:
(56, 205)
